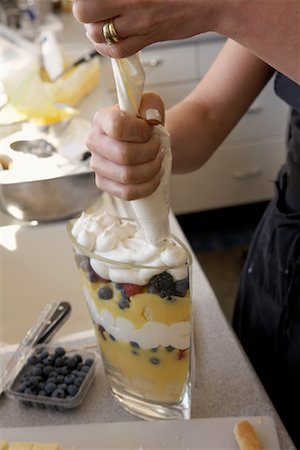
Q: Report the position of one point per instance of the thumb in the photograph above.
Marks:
(152, 108)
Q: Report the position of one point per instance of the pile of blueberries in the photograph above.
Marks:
(53, 374)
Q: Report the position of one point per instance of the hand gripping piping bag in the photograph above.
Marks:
(151, 213)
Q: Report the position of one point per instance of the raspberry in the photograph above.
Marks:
(131, 289)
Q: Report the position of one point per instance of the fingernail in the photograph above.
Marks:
(153, 115)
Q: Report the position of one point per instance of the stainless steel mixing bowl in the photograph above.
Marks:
(51, 199)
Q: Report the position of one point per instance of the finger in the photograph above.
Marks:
(126, 153)
(121, 126)
(127, 192)
(86, 11)
(110, 179)
(152, 108)
(125, 174)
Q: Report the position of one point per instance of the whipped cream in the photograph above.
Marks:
(151, 335)
(107, 236)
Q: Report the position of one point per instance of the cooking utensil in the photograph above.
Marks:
(50, 199)
(37, 147)
(84, 59)
(49, 322)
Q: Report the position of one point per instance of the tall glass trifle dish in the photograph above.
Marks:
(138, 296)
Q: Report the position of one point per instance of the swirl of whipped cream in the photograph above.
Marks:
(109, 237)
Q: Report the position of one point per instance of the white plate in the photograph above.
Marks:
(195, 434)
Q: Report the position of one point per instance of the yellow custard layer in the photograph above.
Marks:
(158, 374)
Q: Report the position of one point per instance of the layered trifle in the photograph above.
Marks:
(138, 297)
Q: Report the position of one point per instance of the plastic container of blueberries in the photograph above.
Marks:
(49, 402)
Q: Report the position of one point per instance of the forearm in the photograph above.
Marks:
(268, 28)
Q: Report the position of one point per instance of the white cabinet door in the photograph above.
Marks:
(236, 174)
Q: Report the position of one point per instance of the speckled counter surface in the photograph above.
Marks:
(225, 384)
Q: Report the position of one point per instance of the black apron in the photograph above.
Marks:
(267, 311)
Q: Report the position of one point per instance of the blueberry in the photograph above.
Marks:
(72, 389)
(123, 303)
(78, 381)
(124, 293)
(93, 277)
(60, 379)
(134, 344)
(28, 391)
(105, 293)
(59, 361)
(53, 374)
(63, 386)
(36, 371)
(78, 358)
(24, 377)
(47, 370)
(85, 369)
(112, 337)
(42, 393)
(44, 354)
(72, 363)
(154, 349)
(80, 258)
(32, 360)
(58, 393)
(60, 351)
(181, 286)
(33, 382)
(81, 374)
(119, 285)
(69, 379)
(134, 352)
(51, 380)
(62, 370)
(49, 388)
(169, 348)
(155, 361)
(24, 385)
(85, 265)
(90, 361)
(49, 360)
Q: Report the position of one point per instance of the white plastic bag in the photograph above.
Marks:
(151, 213)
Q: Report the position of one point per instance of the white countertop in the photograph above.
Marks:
(42, 269)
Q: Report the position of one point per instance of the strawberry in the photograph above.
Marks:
(131, 289)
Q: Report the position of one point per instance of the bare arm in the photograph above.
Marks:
(202, 121)
(270, 29)
(126, 155)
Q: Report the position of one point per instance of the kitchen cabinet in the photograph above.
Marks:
(243, 168)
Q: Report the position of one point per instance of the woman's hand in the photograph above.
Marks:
(126, 155)
(142, 22)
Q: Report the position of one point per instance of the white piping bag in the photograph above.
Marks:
(151, 213)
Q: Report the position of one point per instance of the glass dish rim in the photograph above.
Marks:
(124, 265)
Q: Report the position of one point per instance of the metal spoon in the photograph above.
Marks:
(37, 147)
